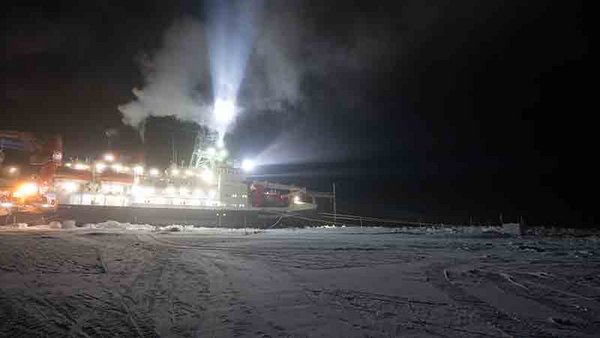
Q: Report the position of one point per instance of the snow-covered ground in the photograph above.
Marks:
(112, 279)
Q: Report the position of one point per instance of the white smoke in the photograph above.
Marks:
(172, 79)
(177, 79)
(286, 50)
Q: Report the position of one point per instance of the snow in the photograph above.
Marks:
(121, 279)
(68, 224)
(55, 225)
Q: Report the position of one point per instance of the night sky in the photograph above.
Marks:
(439, 109)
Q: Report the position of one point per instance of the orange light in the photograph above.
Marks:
(26, 190)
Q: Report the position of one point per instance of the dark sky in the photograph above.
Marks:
(437, 108)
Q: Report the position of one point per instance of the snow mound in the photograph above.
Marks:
(55, 225)
(114, 225)
(68, 224)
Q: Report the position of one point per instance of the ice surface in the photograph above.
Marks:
(120, 279)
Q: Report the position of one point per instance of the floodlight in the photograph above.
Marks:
(248, 165)
(154, 172)
(224, 111)
(109, 157)
(100, 166)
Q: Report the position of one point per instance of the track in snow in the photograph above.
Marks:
(325, 282)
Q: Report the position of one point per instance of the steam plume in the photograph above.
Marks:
(173, 80)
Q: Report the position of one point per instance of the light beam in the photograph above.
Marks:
(231, 30)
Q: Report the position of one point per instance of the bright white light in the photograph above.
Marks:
(112, 188)
(248, 165)
(297, 200)
(175, 172)
(13, 170)
(189, 173)
(100, 167)
(223, 153)
(198, 193)
(183, 191)
(230, 45)
(170, 190)
(109, 157)
(6, 205)
(154, 172)
(207, 176)
(211, 151)
(138, 170)
(212, 193)
(68, 165)
(224, 111)
(70, 186)
(81, 166)
(140, 191)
